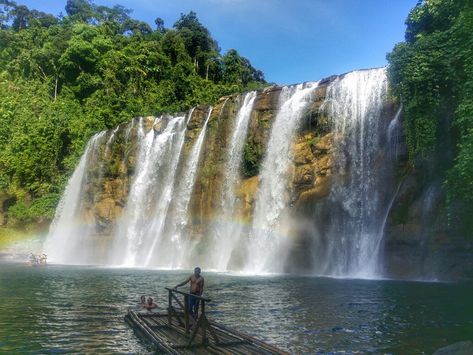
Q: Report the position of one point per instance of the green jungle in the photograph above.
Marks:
(64, 78)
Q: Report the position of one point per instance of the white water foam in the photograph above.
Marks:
(355, 103)
(267, 240)
(226, 236)
(66, 234)
(171, 249)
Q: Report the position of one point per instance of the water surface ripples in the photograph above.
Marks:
(80, 310)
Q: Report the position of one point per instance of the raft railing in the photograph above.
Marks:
(178, 307)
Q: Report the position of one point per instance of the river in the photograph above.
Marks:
(64, 309)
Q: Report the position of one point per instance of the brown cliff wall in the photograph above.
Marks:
(410, 246)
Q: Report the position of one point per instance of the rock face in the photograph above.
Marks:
(420, 242)
(416, 243)
(109, 176)
(313, 166)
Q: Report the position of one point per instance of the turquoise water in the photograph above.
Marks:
(64, 309)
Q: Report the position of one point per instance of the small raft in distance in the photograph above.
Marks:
(171, 332)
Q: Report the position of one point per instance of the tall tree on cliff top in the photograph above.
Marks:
(199, 43)
(81, 10)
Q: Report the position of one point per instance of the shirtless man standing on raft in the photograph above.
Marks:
(197, 287)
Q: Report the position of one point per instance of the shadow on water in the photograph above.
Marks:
(65, 309)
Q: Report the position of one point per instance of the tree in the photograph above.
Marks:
(63, 79)
(136, 27)
(118, 13)
(81, 10)
(159, 24)
(433, 74)
(199, 43)
(238, 69)
(21, 16)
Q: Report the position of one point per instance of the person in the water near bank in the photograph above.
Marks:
(143, 300)
(149, 305)
(196, 288)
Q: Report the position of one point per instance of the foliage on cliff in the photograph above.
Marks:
(64, 78)
(432, 72)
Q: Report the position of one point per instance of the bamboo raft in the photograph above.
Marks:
(173, 333)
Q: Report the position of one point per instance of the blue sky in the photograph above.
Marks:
(291, 41)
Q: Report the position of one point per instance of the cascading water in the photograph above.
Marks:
(170, 249)
(157, 162)
(354, 103)
(394, 135)
(110, 141)
(266, 240)
(67, 230)
(226, 234)
(155, 175)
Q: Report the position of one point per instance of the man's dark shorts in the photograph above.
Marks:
(193, 305)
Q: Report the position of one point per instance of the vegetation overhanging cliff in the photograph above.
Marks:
(64, 78)
(432, 74)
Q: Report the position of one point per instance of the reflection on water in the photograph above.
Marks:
(81, 309)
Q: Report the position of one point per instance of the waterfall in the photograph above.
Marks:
(354, 103)
(394, 133)
(67, 231)
(147, 223)
(171, 249)
(226, 234)
(110, 141)
(130, 234)
(375, 265)
(266, 239)
(149, 198)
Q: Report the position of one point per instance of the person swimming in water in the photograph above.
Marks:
(149, 305)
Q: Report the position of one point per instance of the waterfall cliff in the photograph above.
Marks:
(299, 178)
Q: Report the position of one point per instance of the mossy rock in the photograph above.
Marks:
(252, 157)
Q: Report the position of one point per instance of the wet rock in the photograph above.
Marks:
(268, 100)
(324, 164)
(324, 144)
(198, 118)
(160, 125)
(304, 176)
(318, 192)
(148, 122)
(246, 195)
(107, 209)
(303, 154)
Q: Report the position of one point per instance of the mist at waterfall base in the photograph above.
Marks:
(345, 231)
(79, 309)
